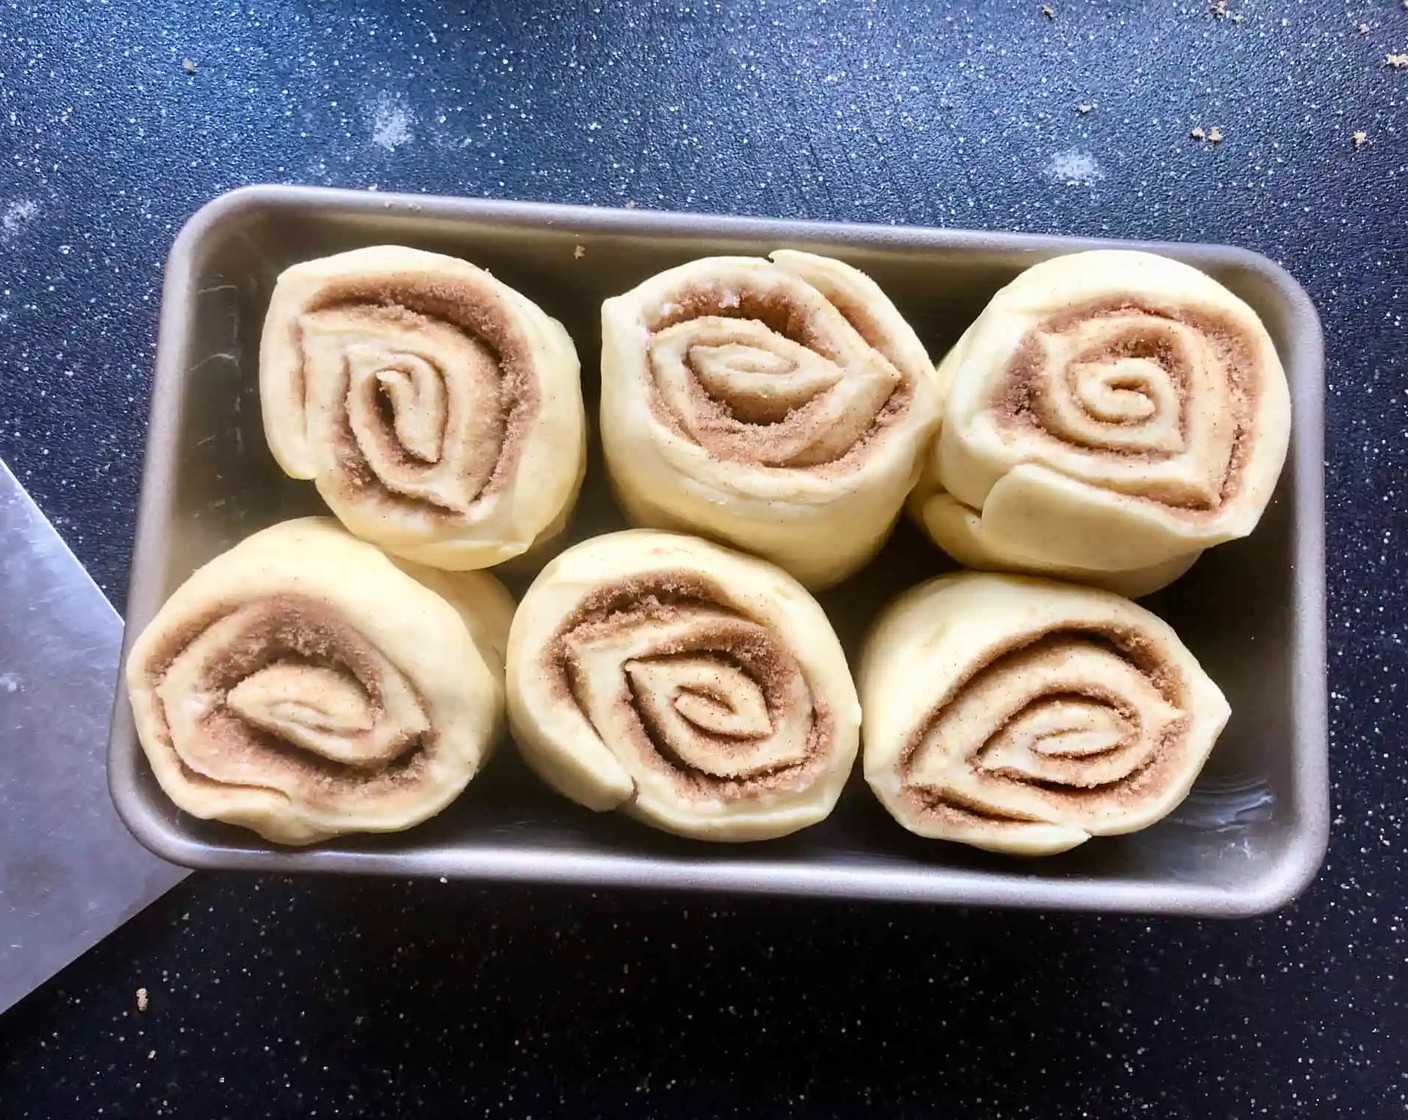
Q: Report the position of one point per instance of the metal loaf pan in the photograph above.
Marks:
(1251, 835)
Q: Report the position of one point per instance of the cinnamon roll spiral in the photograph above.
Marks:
(438, 411)
(303, 684)
(1025, 716)
(778, 405)
(697, 689)
(1110, 415)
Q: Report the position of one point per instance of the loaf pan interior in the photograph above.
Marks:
(1250, 835)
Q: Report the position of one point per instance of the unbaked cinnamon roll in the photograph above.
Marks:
(697, 689)
(1110, 415)
(304, 685)
(438, 411)
(778, 405)
(1022, 715)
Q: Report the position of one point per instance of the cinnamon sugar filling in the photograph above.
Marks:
(737, 643)
(750, 436)
(285, 630)
(411, 299)
(1144, 779)
(1016, 402)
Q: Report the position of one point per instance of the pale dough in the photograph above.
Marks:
(695, 688)
(1108, 416)
(303, 684)
(779, 405)
(1023, 715)
(438, 411)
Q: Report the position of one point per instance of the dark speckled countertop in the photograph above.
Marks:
(324, 998)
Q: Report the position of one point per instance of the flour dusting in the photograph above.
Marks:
(391, 123)
(1073, 168)
(16, 216)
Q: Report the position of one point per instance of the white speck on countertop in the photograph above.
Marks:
(9, 682)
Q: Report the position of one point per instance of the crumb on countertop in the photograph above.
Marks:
(1215, 136)
(1397, 61)
(1361, 137)
(1197, 133)
(578, 252)
(188, 65)
(1048, 11)
(1085, 107)
(143, 1000)
(1363, 29)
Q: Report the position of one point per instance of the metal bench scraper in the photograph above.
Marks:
(70, 873)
